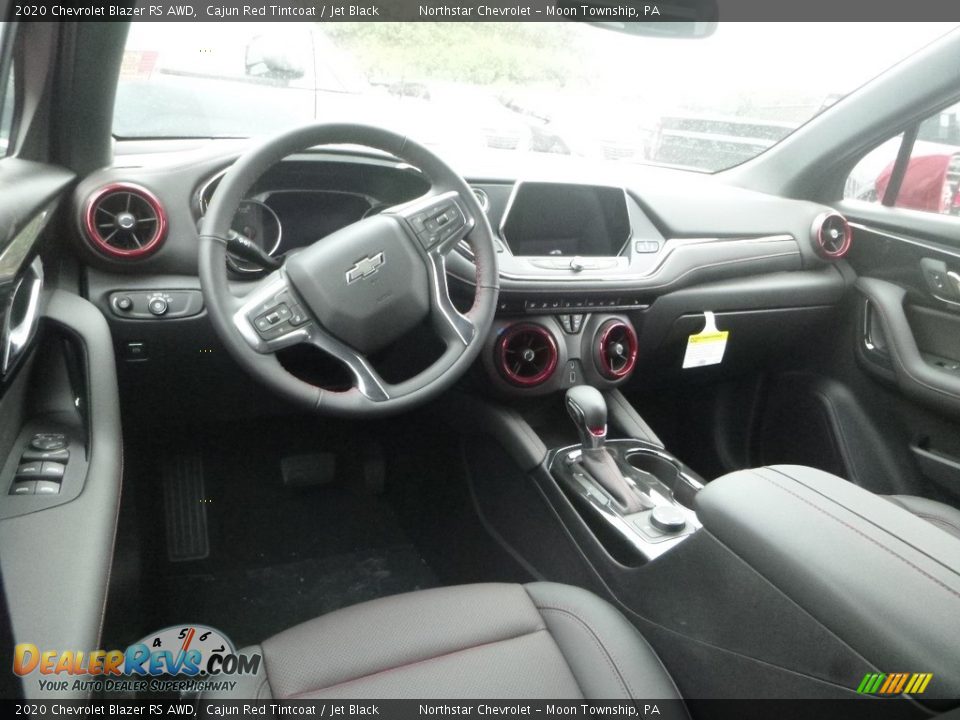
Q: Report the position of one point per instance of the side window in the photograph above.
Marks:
(6, 112)
(8, 93)
(927, 180)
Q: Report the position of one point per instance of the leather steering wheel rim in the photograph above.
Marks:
(236, 318)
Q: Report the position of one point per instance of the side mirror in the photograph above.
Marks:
(272, 57)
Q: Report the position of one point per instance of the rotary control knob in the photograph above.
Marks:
(667, 519)
(158, 306)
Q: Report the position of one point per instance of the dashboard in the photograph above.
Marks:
(603, 272)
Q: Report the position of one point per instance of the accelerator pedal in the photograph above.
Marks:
(184, 503)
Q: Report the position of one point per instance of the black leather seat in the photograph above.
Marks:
(943, 516)
(540, 640)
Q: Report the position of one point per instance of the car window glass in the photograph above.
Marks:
(6, 113)
(931, 180)
(6, 102)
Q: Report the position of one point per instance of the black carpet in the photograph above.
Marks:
(278, 555)
(252, 604)
(281, 555)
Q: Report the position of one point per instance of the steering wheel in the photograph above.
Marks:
(359, 289)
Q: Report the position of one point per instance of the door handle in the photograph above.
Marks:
(914, 376)
(22, 317)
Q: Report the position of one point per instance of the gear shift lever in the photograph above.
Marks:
(588, 410)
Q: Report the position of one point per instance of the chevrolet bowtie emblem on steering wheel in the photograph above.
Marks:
(364, 268)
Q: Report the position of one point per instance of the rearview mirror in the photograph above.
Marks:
(273, 57)
(668, 19)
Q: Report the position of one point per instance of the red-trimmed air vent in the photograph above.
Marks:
(124, 221)
(831, 236)
(526, 354)
(616, 349)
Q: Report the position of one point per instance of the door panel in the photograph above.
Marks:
(907, 330)
(57, 376)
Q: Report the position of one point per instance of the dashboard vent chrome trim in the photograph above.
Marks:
(616, 349)
(124, 221)
(831, 235)
(482, 198)
(526, 354)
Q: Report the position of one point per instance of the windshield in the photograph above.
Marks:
(562, 88)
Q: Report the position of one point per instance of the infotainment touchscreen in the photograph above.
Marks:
(563, 219)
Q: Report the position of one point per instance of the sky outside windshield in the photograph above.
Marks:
(560, 88)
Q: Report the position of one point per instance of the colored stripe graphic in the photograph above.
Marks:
(894, 683)
(901, 681)
(875, 685)
(871, 683)
(891, 680)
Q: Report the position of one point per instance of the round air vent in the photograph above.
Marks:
(482, 198)
(526, 355)
(832, 236)
(124, 221)
(616, 350)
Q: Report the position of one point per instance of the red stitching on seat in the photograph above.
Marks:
(304, 693)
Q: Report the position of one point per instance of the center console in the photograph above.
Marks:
(884, 581)
(638, 489)
(779, 582)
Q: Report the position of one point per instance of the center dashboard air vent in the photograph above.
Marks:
(124, 221)
(526, 354)
(831, 235)
(616, 349)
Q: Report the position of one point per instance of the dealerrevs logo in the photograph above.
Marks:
(191, 651)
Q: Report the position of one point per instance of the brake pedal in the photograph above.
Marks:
(308, 469)
(184, 502)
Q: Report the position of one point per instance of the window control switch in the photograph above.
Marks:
(25, 487)
(51, 471)
(60, 456)
(47, 487)
(29, 470)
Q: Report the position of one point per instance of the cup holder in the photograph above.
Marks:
(667, 472)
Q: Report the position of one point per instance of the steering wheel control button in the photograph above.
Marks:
(60, 456)
(297, 315)
(48, 441)
(438, 224)
(30, 470)
(667, 519)
(26, 487)
(276, 321)
(158, 306)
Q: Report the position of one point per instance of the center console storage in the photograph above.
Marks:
(884, 581)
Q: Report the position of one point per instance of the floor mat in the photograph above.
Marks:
(278, 555)
(281, 555)
(251, 604)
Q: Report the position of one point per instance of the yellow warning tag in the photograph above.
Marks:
(707, 346)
